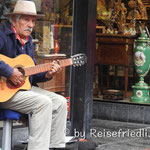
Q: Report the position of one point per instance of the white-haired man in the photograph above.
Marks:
(48, 110)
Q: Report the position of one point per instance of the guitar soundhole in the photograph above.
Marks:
(11, 85)
(21, 70)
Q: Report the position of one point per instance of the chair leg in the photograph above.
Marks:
(7, 134)
(29, 125)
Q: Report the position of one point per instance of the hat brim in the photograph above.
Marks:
(29, 14)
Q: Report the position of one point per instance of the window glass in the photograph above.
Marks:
(125, 17)
(54, 33)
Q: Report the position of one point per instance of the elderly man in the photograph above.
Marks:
(48, 110)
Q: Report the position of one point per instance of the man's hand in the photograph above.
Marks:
(55, 68)
(16, 77)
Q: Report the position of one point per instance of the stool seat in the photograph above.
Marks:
(8, 116)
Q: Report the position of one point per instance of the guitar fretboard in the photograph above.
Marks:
(45, 67)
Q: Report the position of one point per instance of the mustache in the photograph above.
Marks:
(28, 29)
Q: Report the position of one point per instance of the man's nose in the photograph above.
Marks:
(31, 24)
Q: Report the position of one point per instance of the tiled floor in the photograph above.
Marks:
(109, 135)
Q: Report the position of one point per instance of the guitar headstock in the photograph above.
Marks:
(79, 59)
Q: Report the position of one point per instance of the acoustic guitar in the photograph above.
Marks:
(26, 66)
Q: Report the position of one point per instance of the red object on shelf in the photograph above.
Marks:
(56, 47)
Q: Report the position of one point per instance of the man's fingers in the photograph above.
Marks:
(55, 67)
(17, 77)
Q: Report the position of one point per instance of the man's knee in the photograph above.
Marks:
(63, 101)
(44, 101)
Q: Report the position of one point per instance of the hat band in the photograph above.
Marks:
(20, 12)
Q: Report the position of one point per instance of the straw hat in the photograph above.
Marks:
(23, 7)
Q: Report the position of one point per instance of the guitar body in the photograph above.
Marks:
(7, 90)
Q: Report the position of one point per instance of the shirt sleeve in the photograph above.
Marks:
(5, 69)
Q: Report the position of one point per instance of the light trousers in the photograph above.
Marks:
(48, 117)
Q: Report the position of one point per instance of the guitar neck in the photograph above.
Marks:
(45, 67)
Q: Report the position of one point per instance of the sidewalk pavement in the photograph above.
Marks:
(109, 135)
(114, 135)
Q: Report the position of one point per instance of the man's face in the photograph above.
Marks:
(24, 25)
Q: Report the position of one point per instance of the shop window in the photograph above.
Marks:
(54, 33)
(119, 22)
